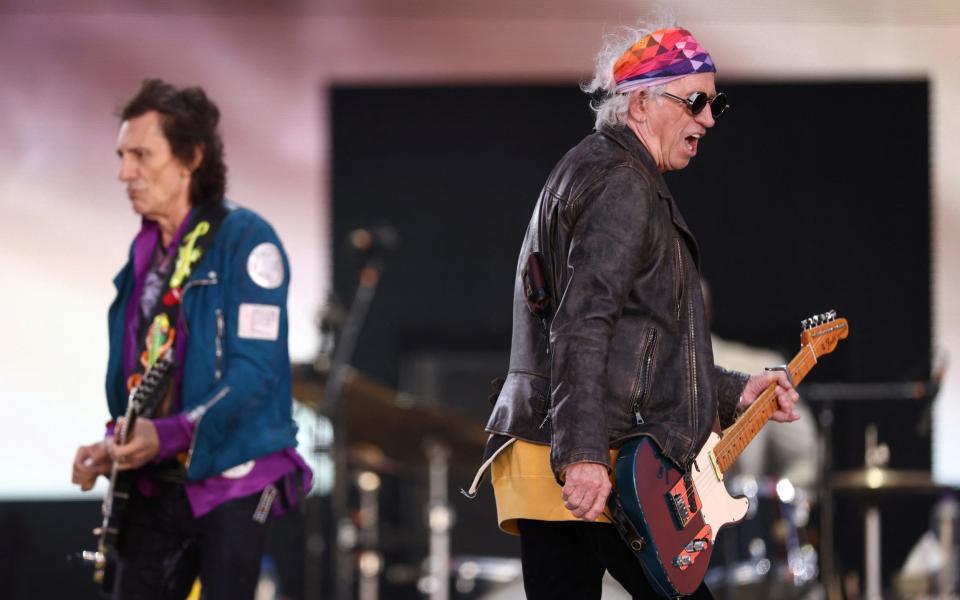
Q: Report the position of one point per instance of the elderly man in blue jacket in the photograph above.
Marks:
(204, 289)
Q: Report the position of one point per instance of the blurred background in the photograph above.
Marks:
(830, 184)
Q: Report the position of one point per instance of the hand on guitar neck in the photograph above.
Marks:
(787, 396)
(140, 449)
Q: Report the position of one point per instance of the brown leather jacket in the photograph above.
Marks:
(629, 344)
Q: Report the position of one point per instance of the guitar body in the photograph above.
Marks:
(114, 507)
(142, 400)
(678, 517)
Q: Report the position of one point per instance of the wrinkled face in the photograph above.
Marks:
(671, 132)
(158, 184)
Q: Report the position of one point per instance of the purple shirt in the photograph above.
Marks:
(175, 432)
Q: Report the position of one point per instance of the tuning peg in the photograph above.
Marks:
(831, 315)
(804, 324)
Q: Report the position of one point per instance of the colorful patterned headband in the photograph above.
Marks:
(660, 57)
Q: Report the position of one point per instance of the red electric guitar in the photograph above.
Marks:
(672, 517)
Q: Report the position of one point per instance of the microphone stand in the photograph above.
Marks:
(340, 554)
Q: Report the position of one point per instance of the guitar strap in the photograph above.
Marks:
(632, 538)
(624, 526)
(158, 328)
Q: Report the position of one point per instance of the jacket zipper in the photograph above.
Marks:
(680, 277)
(196, 415)
(218, 345)
(693, 372)
(640, 394)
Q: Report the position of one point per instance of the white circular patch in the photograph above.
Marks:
(265, 266)
(239, 471)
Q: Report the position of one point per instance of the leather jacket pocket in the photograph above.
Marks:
(643, 380)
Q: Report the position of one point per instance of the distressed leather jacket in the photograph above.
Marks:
(624, 347)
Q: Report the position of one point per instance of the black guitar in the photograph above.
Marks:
(142, 401)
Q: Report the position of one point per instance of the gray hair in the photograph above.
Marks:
(612, 107)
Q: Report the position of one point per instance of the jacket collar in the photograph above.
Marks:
(628, 140)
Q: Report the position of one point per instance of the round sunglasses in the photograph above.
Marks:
(697, 101)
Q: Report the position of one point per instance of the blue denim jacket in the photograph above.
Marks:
(236, 388)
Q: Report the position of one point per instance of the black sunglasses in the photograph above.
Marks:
(697, 101)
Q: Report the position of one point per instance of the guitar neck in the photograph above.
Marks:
(742, 432)
(152, 386)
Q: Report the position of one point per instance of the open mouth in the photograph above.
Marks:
(692, 142)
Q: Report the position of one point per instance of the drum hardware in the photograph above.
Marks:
(440, 517)
(769, 554)
(946, 513)
(870, 483)
(339, 562)
(876, 456)
(369, 562)
(830, 397)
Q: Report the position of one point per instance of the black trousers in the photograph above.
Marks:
(163, 549)
(567, 559)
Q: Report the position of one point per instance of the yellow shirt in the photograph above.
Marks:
(524, 486)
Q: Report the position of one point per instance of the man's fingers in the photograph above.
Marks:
(125, 455)
(574, 497)
(586, 502)
(577, 498)
(598, 505)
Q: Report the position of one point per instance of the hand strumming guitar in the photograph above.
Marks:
(90, 462)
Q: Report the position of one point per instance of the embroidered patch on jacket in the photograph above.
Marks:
(259, 322)
(265, 266)
(239, 471)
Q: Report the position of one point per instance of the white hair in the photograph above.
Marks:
(612, 107)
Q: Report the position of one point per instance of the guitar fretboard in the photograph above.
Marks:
(741, 433)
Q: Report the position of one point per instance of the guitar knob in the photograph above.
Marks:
(682, 561)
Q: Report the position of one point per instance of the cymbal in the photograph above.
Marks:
(398, 424)
(875, 480)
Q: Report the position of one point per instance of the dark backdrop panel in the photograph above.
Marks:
(802, 203)
(456, 171)
(805, 197)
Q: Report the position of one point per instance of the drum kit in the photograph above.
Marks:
(392, 436)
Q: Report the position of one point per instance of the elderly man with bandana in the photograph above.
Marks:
(610, 339)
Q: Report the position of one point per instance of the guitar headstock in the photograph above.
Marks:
(823, 331)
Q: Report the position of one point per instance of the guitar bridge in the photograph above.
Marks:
(684, 502)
